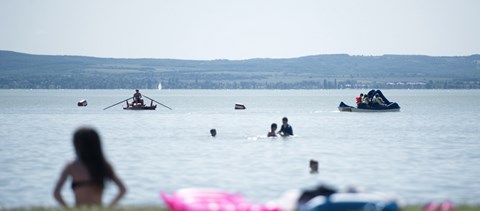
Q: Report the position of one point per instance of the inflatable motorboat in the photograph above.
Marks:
(371, 106)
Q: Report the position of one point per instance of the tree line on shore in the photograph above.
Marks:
(25, 71)
(65, 83)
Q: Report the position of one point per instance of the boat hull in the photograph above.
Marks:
(393, 107)
(369, 110)
(140, 107)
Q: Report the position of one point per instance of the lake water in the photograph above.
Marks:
(428, 151)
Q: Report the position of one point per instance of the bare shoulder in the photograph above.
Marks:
(67, 168)
(70, 165)
(74, 167)
(74, 163)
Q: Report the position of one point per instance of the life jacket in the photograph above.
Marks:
(358, 100)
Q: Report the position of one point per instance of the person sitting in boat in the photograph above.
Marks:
(286, 129)
(377, 99)
(137, 98)
(366, 100)
(359, 99)
(273, 130)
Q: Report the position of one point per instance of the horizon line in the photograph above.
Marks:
(223, 59)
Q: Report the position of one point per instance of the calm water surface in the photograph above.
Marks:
(428, 151)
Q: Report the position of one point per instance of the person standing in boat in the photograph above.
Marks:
(89, 172)
(137, 97)
(286, 129)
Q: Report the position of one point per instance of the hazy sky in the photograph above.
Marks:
(240, 29)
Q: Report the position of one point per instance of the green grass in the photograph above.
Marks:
(407, 208)
(458, 208)
(87, 209)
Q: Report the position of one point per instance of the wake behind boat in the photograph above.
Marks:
(374, 101)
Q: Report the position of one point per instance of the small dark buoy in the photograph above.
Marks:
(82, 102)
(239, 106)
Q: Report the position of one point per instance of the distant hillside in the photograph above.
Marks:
(19, 70)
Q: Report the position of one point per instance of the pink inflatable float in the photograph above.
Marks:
(210, 200)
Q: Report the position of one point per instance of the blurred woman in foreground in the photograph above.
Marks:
(88, 172)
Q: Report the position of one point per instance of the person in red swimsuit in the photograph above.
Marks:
(358, 99)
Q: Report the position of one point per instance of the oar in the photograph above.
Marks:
(116, 103)
(158, 102)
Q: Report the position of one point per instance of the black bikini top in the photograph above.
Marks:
(76, 184)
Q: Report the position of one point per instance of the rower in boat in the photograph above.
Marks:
(137, 98)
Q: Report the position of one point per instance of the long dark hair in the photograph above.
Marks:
(89, 151)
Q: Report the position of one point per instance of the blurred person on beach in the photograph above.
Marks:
(273, 130)
(286, 129)
(89, 172)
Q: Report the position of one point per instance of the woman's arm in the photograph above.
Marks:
(121, 187)
(58, 187)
